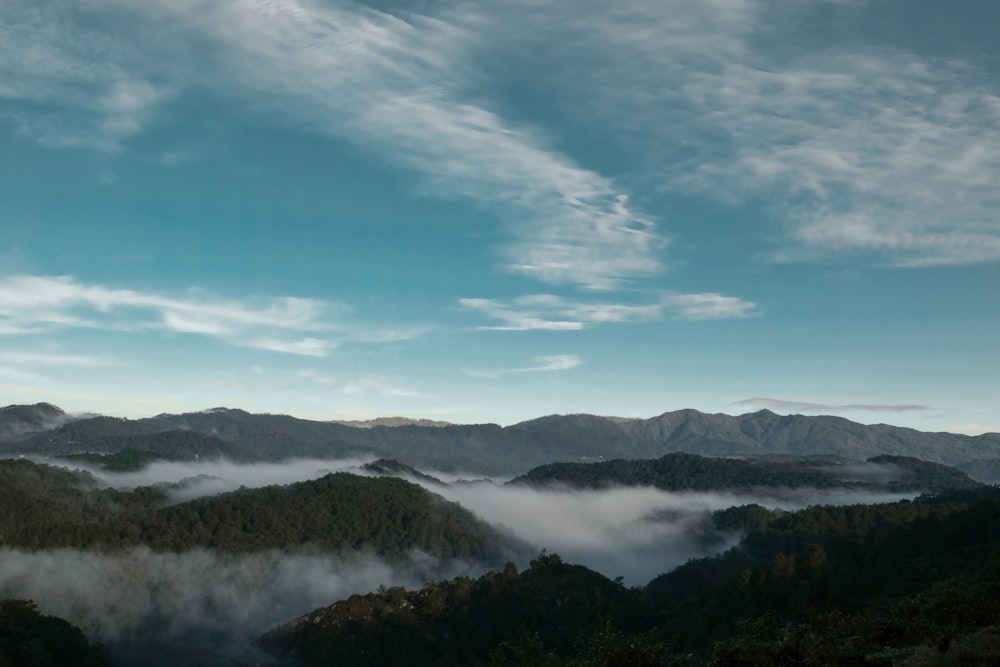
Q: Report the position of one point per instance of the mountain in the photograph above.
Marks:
(46, 507)
(488, 449)
(457, 622)
(908, 583)
(21, 421)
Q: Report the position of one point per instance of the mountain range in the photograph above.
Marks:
(489, 449)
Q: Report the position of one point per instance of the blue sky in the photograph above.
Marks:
(496, 210)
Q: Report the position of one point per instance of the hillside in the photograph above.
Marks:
(20, 421)
(690, 472)
(488, 449)
(910, 583)
(458, 622)
(28, 637)
(44, 507)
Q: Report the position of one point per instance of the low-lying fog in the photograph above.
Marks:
(635, 533)
(210, 603)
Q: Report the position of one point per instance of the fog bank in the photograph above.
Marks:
(222, 600)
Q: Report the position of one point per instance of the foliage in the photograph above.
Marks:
(690, 472)
(29, 639)
(531, 617)
(909, 583)
(44, 507)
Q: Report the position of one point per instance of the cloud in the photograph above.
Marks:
(542, 364)
(399, 85)
(634, 532)
(52, 359)
(554, 313)
(372, 386)
(66, 83)
(209, 604)
(32, 304)
(852, 147)
(870, 152)
(310, 347)
(708, 306)
(519, 315)
(813, 407)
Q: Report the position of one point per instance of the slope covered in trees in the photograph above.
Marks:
(44, 507)
(28, 638)
(690, 472)
(910, 583)
(462, 621)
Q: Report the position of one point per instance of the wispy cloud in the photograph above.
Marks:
(874, 152)
(52, 359)
(854, 148)
(542, 364)
(68, 84)
(398, 85)
(378, 387)
(554, 313)
(804, 406)
(33, 304)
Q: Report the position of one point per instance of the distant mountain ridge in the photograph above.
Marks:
(494, 450)
(18, 421)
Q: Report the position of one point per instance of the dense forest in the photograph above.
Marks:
(909, 583)
(46, 507)
(31, 639)
(689, 472)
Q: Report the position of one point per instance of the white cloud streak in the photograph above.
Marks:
(554, 313)
(542, 364)
(32, 304)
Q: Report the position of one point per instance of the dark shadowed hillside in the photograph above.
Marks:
(909, 583)
(44, 507)
(30, 638)
(462, 621)
(683, 472)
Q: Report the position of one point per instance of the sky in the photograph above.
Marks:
(496, 210)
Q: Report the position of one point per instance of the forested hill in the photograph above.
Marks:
(44, 507)
(493, 450)
(17, 421)
(459, 622)
(910, 583)
(684, 472)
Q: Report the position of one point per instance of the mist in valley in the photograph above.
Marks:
(199, 599)
(222, 602)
